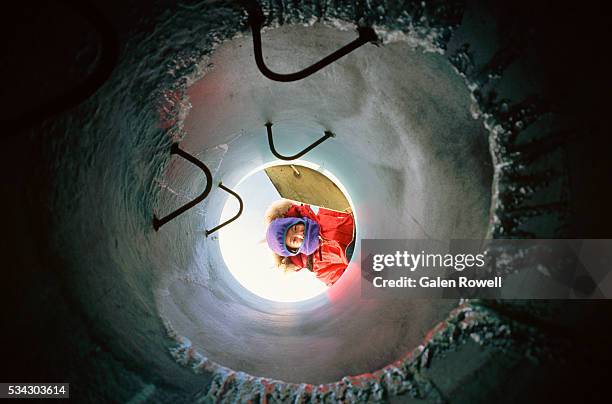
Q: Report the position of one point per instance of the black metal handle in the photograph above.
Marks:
(157, 223)
(223, 187)
(256, 21)
(326, 136)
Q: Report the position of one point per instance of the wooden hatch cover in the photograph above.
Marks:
(305, 185)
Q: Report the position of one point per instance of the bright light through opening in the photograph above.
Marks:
(245, 250)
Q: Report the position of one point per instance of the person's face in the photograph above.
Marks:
(295, 236)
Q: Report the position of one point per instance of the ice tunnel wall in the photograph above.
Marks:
(390, 116)
(416, 137)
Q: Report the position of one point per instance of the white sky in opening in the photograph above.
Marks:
(246, 252)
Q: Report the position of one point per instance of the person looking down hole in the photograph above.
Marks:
(299, 238)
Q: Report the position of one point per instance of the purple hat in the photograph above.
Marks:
(311, 237)
(277, 231)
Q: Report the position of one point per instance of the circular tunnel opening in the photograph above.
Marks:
(243, 243)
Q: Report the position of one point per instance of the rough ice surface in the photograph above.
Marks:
(470, 320)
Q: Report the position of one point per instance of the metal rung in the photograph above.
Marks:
(327, 135)
(256, 21)
(223, 187)
(157, 223)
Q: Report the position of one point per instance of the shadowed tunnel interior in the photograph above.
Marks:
(462, 122)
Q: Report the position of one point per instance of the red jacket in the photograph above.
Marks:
(329, 260)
